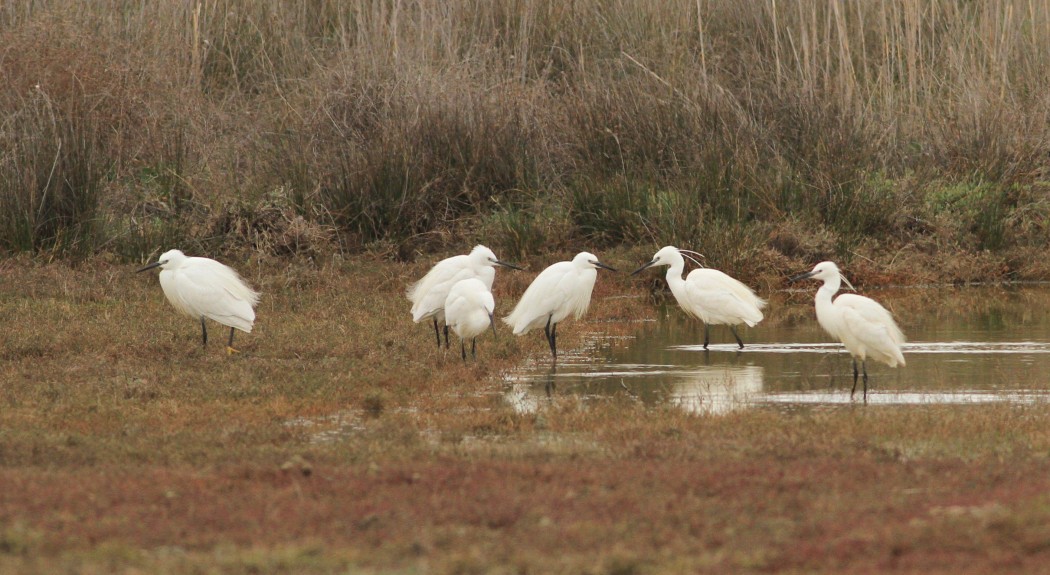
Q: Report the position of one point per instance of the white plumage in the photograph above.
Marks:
(562, 289)
(863, 326)
(428, 295)
(468, 311)
(204, 288)
(709, 295)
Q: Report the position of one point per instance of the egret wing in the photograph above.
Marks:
(432, 301)
(428, 294)
(718, 298)
(455, 307)
(871, 312)
(573, 293)
(542, 298)
(868, 323)
(215, 291)
(488, 302)
(472, 314)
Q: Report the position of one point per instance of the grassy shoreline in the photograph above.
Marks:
(342, 439)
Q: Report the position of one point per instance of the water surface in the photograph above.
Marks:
(967, 345)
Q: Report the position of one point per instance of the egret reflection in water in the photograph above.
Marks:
(717, 389)
(700, 389)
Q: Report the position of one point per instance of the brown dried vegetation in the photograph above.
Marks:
(762, 134)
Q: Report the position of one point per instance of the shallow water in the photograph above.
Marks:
(967, 345)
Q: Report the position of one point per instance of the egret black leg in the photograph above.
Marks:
(204, 333)
(739, 341)
(463, 350)
(229, 345)
(437, 332)
(864, 369)
(554, 340)
(854, 390)
(548, 330)
(707, 335)
(473, 348)
(446, 337)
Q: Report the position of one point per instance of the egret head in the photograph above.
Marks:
(668, 256)
(827, 272)
(587, 259)
(167, 260)
(486, 257)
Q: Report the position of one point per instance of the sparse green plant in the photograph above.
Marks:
(980, 210)
(871, 206)
(527, 225)
(610, 211)
(374, 403)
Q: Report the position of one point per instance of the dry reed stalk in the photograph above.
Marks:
(774, 107)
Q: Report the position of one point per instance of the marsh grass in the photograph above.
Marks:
(55, 180)
(342, 439)
(404, 124)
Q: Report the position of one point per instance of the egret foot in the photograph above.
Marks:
(739, 341)
(229, 345)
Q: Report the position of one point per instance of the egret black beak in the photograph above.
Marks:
(151, 266)
(599, 264)
(802, 276)
(507, 265)
(652, 263)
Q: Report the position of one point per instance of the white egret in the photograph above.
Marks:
(468, 311)
(860, 323)
(204, 288)
(563, 288)
(710, 295)
(429, 293)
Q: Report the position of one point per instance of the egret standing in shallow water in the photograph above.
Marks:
(204, 288)
(860, 323)
(428, 294)
(468, 311)
(562, 289)
(710, 295)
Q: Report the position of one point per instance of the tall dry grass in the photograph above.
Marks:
(529, 124)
